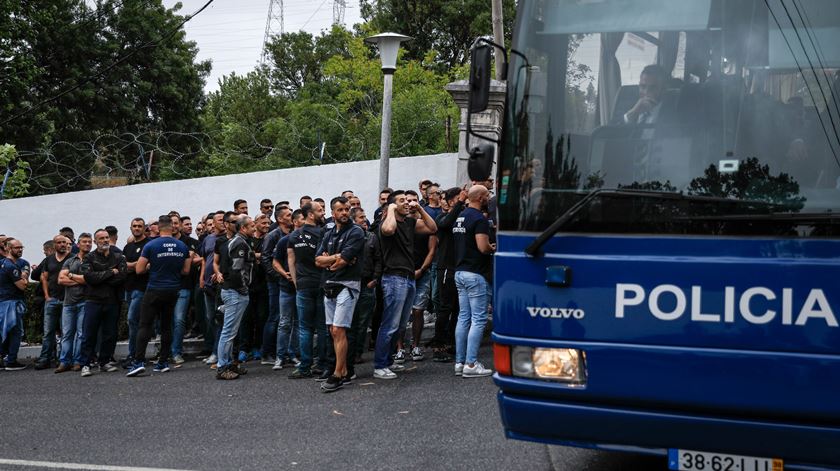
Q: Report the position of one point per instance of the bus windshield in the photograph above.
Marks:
(696, 117)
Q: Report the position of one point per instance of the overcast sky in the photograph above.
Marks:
(230, 32)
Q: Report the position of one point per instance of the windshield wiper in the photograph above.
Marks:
(534, 248)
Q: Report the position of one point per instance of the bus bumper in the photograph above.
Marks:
(613, 428)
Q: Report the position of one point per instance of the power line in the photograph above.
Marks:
(313, 14)
(90, 78)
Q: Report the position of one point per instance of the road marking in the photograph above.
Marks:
(82, 466)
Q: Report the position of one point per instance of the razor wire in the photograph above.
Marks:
(144, 156)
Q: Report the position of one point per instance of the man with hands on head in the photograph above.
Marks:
(396, 237)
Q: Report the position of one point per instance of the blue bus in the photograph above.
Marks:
(667, 279)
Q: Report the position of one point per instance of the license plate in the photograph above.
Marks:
(689, 460)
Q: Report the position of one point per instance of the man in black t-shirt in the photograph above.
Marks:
(473, 274)
(53, 298)
(447, 308)
(287, 331)
(135, 285)
(425, 247)
(396, 237)
(272, 277)
(182, 306)
(303, 246)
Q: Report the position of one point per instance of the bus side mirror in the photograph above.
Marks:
(480, 164)
(479, 78)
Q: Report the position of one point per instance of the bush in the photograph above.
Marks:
(33, 320)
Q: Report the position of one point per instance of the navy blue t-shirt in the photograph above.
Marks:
(468, 258)
(9, 275)
(166, 257)
(282, 255)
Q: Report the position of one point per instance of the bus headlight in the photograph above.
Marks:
(566, 365)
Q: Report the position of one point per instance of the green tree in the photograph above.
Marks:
(446, 26)
(85, 108)
(246, 124)
(17, 182)
(297, 59)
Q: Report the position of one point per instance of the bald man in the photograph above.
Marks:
(473, 277)
(53, 300)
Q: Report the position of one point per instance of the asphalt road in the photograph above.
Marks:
(426, 419)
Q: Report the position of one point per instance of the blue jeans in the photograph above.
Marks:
(52, 318)
(134, 299)
(397, 295)
(288, 331)
(72, 322)
(211, 327)
(270, 330)
(180, 320)
(235, 305)
(472, 317)
(11, 344)
(310, 309)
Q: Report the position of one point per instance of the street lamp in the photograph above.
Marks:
(389, 45)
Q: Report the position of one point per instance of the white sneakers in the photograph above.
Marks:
(384, 373)
(476, 371)
(278, 364)
(417, 354)
(459, 369)
(211, 359)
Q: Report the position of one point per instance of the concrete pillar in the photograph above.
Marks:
(488, 122)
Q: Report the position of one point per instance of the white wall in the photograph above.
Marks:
(37, 219)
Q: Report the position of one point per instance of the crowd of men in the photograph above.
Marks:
(289, 288)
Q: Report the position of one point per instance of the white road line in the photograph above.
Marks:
(82, 466)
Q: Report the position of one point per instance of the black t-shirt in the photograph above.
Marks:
(53, 266)
(421, 249)
(188, 281)
(220, 248)
(398, 249)
(282, 255)
(132, 251)
(258, 281)
(469, 258)
(305, 242)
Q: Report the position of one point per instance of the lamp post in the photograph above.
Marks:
(389, 45)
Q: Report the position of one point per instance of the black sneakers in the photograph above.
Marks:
(300, 374)
(14, 366)
(333, 383)
(441, 356)
(323, 376)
